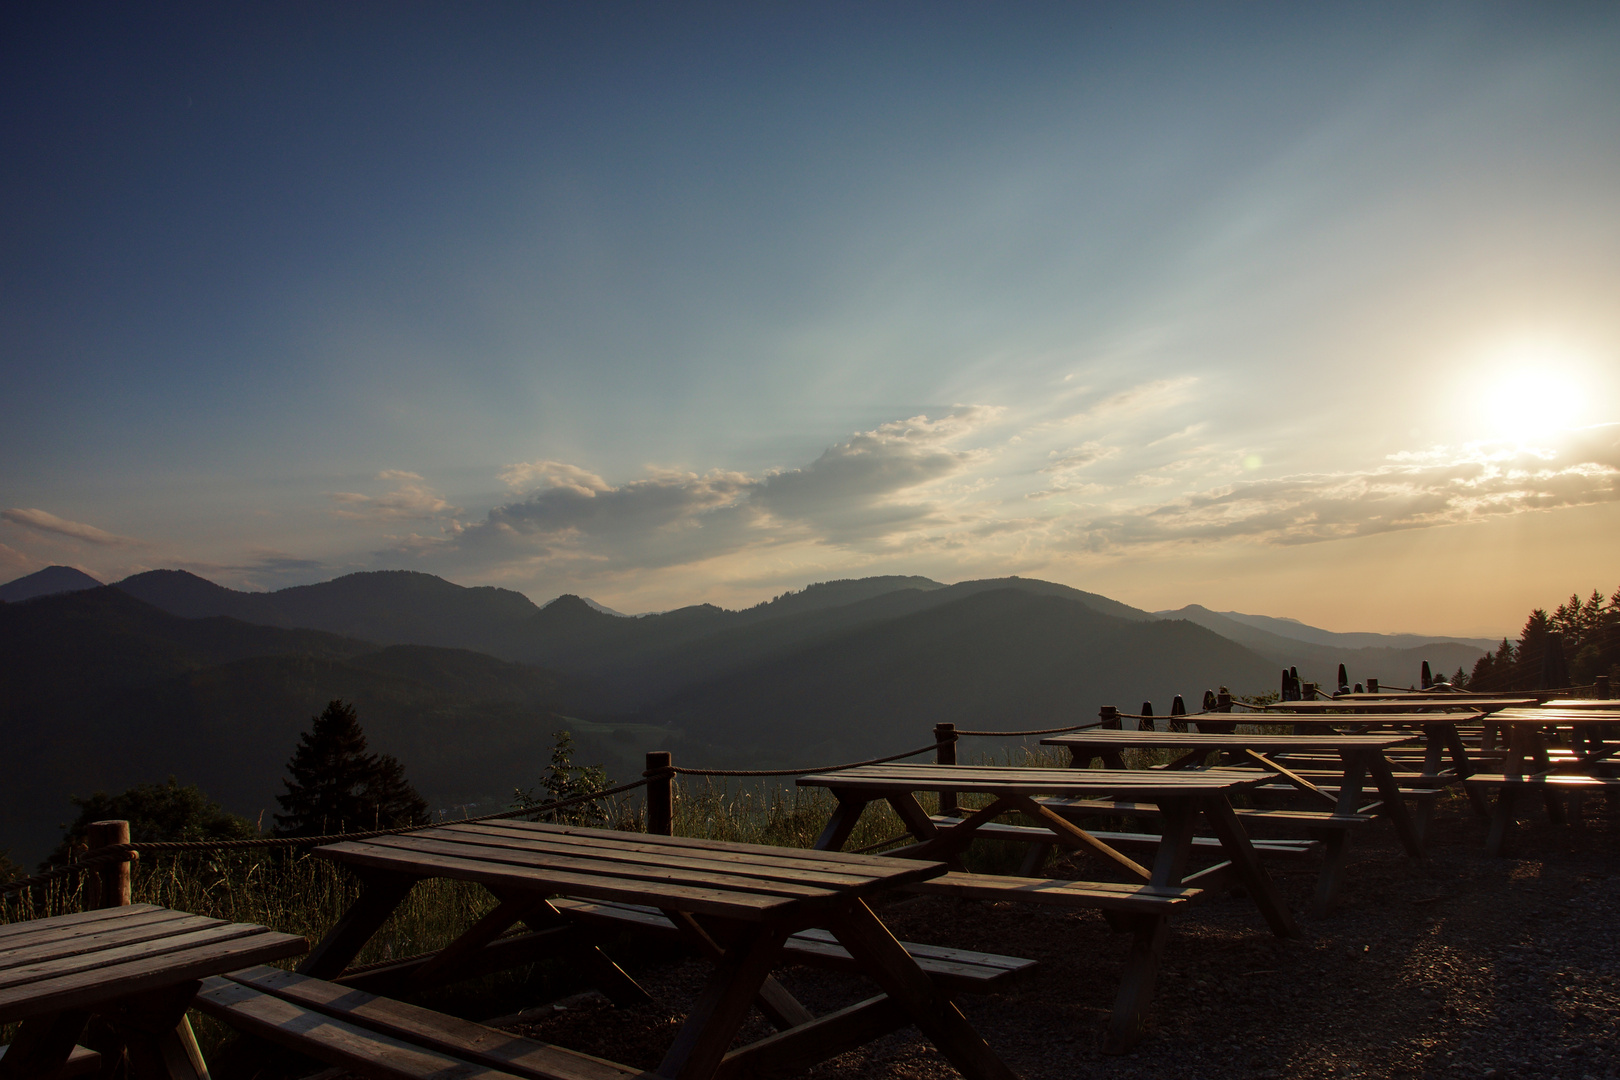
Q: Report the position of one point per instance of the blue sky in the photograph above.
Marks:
(1302, 309)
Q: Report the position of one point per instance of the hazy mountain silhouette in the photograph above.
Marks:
(1298, 631)
(992, 658)
(1396, 663)
(635, 661)
(47, 582)
(99, 690)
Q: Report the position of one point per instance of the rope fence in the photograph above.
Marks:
(131, 852)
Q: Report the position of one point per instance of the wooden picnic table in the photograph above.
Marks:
(1141, 907)
(1577, 767)
(138, 967)
(1441, 734)
(742, 901)
(1360, 756)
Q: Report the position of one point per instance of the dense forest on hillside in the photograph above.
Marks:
(1579, 641)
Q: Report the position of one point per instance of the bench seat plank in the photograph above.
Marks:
(1103, 895)
(959, 969)
(1035, 834)
(380, 1036)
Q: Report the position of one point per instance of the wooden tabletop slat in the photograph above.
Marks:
(18, 975)
(113, 936)
(1360, 719)
(698, 900)
(128, 971)
(1194, 740)
(66, 931)
(1372, 708)
(35, 927)
(836, 875)
(994, 778)
(785, 854)
(1550, 715)
(670, 869)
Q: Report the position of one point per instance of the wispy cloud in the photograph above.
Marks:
(1441, 486)
(41, 521)
(410, 499)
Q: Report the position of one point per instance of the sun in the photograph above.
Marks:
(1532, 388)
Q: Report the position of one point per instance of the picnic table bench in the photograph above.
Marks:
(137, 967)
(1359, 757)
(1140, 906)
(741, 903)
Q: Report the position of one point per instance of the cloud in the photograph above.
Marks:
(411, 499)
(40, 521)
(867, 489)
(1442, 486)
(1145, 397)
(849, 492)
(1078, 457)
(13, 561)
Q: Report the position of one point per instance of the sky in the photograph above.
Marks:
(1302, 310)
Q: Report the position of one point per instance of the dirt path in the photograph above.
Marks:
(1452, 966)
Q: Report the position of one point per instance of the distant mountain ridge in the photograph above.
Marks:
(1293, 628)
(1318, 659)
(634, 661)
(47, 582)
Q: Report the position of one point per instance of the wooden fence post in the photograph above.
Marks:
(1178, 707)
(945, 754)
(1601, 689)
(660, 794)
(111, 879)
(1372, 686)
(1146, 723)
(1110, 717)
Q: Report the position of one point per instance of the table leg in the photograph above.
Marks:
(887, 962)
(1394, 803)
(1149, 933)
(842, 823)
(1460, 762)
(381, 893)
(719, 1012)
(910, 811)
(1246, 864)
(615, 983)
(1335, 851)
(1501, 822)
(780, 1007)
(1538, 753)
(42, 1045)
(505, 915)
(158, 1037)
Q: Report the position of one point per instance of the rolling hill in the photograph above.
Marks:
(47, 582)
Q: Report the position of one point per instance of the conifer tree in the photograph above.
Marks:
(334, 785)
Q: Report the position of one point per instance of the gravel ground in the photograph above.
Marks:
(1455, 965)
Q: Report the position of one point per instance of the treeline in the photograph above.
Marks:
(1570, 647)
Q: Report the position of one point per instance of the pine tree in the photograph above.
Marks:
(335, 786)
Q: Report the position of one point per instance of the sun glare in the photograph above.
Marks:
(1533, 388)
